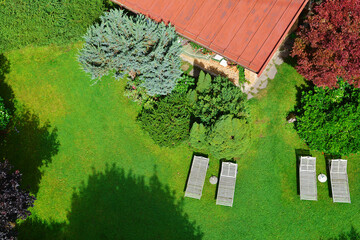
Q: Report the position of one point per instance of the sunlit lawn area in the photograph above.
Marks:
(81, 131)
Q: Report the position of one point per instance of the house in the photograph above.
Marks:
(248, 32)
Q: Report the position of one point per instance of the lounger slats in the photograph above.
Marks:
(339, 181)
(197, 176)
(307, 174)
(226, 188)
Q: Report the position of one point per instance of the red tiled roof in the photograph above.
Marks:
(245, 31)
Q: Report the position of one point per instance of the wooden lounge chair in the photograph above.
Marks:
(226, 188)
(307, 174)
(339, 181)
(197, 176)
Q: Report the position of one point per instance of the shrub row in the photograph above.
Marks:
(43, 22)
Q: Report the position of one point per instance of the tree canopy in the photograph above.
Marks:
(328, 44)
(215, 97)
(14, 202)
(136, 46)
(168, 120)
(228, 138)
(328, 119)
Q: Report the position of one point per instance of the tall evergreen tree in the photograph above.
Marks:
(135, 46)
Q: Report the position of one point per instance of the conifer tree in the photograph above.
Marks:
(135, 46)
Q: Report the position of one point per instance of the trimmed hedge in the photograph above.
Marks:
(43, 22)
(168, 120)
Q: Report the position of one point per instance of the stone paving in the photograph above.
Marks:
(261, 82)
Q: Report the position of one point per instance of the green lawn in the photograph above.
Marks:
(97, 175)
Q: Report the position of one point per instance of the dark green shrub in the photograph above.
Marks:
(43, 22)
(228, 138)
(328, 119)
(168, 121)
(184, 84)
(215, 97)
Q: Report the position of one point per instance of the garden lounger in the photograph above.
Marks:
(226, 188)
(307, 174)
(339, 181)
(197, 176)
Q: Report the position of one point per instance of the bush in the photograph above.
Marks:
(4, 115)
(42, 22)
(136, 46)
(329, 44)
(184, 84)
(242, 78)
(215, 97)
(328, 119)
(168, 121)
(228, 138)
(14, 201)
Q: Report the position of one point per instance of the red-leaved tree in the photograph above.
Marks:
(328, 44)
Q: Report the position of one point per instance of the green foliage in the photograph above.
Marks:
(328, 119)
(196, 46)
(228, 138)
(198, 135)
(242, 79)
(42, 22)
(168, 121)
(215, 97)
(184, 84)
(136, 46)
(137, 93)
(4, 115)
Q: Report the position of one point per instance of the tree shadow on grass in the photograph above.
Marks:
(115, 205)
(28, 146)
(351, 235)
(35, 229)
(6, 92)
(25, 143)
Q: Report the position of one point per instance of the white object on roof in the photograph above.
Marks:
(339, 181)
(223, 63)
(307, 174)
(197, 176)
(226, 188)
(218, 57)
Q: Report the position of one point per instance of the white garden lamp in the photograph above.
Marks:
(322, 178)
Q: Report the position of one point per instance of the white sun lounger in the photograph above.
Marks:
(307, 174)
(197, 176)
(339, 181)
(226, 188)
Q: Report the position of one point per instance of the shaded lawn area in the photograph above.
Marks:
(81, 131)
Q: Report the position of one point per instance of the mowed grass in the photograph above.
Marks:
(96, 127)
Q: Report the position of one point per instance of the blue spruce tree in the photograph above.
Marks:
(135, 46)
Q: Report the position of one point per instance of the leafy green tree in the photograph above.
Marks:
(328, 119)
(228, 138)
(215, 97)
(168, 120)
(4, 115)
(135, 46)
